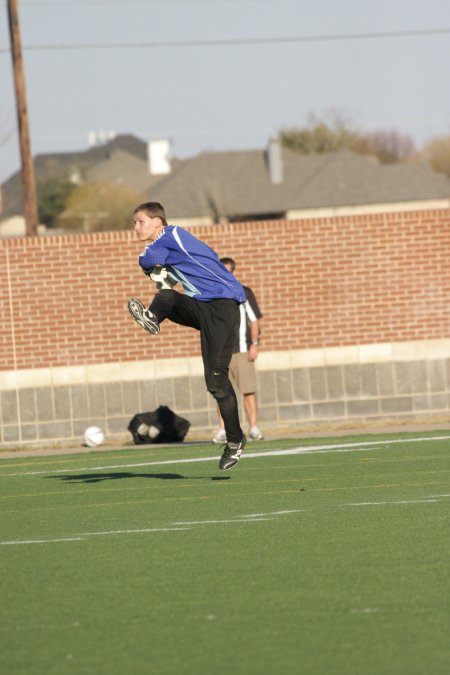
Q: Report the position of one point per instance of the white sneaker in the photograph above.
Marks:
(255, 434)
(219, 436)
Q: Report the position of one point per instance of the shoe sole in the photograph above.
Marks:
(229, 466)
(136, 309)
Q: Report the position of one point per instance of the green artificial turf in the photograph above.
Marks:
(330, 562)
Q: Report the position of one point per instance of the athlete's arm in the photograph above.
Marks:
(152, 256)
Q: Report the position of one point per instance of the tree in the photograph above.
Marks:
(99, 206)
(336, 132)
(319, 136)
(52, 195)
(437, 154)
(389, 146)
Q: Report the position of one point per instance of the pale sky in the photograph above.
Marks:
(222, 96)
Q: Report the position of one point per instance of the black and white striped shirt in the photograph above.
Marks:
(249, 312)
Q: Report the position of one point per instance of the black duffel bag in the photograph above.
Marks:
(160, 426)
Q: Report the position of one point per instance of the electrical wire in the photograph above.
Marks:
(240, 41)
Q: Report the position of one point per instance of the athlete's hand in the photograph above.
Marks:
(253, 353)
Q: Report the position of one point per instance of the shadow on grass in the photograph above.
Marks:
(99, 477)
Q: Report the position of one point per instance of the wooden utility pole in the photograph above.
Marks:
(28, 184)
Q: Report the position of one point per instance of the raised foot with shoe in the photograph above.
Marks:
(143, 316)
(231, 454)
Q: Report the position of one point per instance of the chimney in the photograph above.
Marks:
(275, 161)
(96, 138)
(158, 153)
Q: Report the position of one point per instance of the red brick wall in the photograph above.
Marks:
(320, 282)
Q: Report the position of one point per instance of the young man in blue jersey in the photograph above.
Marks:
(209, 303)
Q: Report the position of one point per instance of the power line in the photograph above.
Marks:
(77, 3)
(5, 138)
(240, 41)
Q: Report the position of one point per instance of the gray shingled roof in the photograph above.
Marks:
(65, 163)
(346, 179)
(128, 170)
(237, 183)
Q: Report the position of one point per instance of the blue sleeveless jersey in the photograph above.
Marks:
(193, 264)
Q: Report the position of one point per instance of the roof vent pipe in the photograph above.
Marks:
(275, 161)
(158, 153)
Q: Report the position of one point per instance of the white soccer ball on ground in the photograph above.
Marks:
(93, 436)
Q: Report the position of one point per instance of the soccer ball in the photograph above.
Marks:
(93, 436)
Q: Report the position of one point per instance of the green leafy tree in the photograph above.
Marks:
(99, 206)
(52, 195)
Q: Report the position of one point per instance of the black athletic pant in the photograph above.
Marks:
(218, 323)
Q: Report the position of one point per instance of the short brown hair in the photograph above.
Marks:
(153, 209)
(230, 262)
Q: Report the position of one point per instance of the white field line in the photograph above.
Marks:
(403, 501)
(248, 517)
(39, 541)
(138, 531)
(83, 535)
(274, 513)
(224, 520)
(183, 526)
(253, 518)
(336, 447)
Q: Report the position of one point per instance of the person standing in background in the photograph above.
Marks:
(242, 365)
